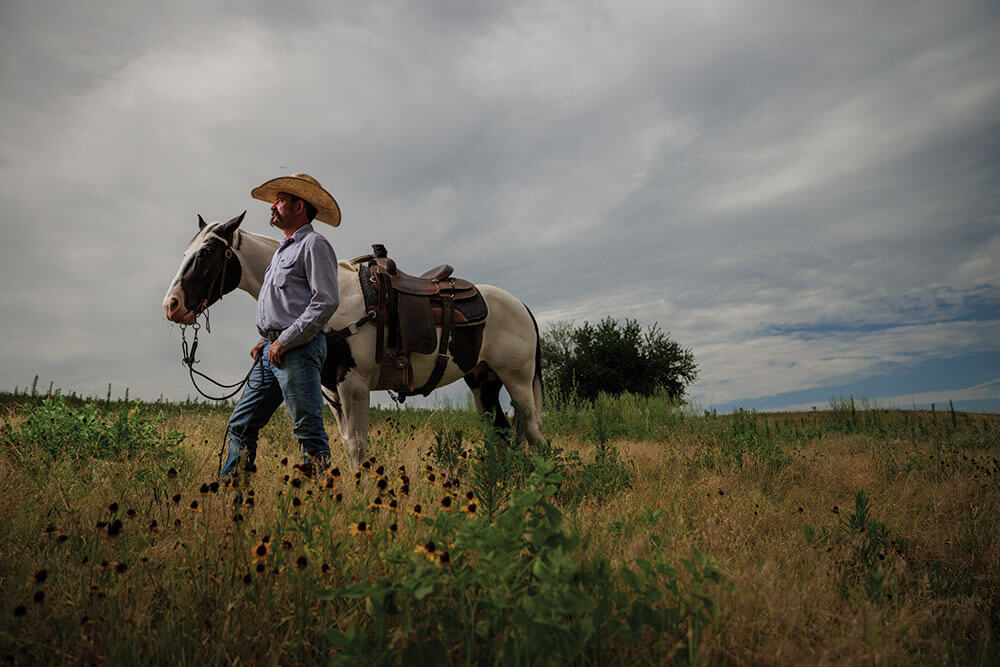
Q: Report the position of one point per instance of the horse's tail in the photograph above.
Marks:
(536, 385)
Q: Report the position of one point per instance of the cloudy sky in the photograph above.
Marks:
(803, 193)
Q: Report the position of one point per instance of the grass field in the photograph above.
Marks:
(641, 533)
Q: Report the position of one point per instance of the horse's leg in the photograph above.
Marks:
(525, 394)
(485, 386)
(354, 397)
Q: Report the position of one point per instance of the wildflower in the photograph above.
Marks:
(172, 473)
(284, 461)
(339, 497)
(470, 509)
(359, 528)
(431, 477)
(297, 483)
(325, 568)
(296, 502)
(394, 528)
(260, 551)
(204, 490)
(302, 562)
(49, 530)
(446, 503)
(247, 578)
(131, 513)
(427, 548)
(286, 545)
(120, 568)
(39, 577)
(176, 498)
(376, 504)
(393, 505)
(444, 558)
(416, 510)
(469, 495)
(194, 507)
(237, 517)
(113, 507)
(329, 484)
(333, 472)
(260, 568)
(382, 483)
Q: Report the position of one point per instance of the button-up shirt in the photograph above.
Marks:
(299, 293)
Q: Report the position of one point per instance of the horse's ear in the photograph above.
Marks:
(201, 222)
(229, 228)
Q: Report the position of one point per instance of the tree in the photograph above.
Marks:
(615, 358)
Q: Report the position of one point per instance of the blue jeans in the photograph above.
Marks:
(297, 383)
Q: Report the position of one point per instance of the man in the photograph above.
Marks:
(297, 298)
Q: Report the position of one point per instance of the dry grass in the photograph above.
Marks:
(794, 599)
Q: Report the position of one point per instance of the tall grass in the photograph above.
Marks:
(642, 532)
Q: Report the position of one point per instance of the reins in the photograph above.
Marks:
(189, 360)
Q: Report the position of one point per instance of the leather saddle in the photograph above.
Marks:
(414, 314)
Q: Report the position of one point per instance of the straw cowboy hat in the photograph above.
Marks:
(304, 187)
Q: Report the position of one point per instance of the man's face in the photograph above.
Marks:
(286, 210)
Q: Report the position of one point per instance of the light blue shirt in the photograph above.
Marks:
(299, 293)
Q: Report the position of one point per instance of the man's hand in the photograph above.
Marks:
(274, 353)
(256, 349)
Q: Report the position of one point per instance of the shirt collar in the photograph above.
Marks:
(298, 235)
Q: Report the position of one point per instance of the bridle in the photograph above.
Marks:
(188, 353)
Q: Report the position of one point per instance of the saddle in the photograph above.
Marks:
(414, 314)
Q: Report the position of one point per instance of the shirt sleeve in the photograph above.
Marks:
(320, 263)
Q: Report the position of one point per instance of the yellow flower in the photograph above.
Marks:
(360, 528)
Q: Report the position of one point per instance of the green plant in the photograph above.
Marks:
(57, 430)
(515, 591)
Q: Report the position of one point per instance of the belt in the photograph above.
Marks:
(272, 334)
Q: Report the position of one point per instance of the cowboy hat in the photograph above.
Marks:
(304, 187)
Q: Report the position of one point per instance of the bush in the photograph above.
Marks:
(56, 430)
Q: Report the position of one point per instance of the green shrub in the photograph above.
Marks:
(54, 429)
(516, 591)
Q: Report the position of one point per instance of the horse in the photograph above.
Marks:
(221, 258)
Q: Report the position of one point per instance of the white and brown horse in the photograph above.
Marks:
(222, 257)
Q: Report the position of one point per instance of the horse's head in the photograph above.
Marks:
(210, 268)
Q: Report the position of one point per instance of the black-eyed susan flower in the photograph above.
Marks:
(325, 568)
(247, 578)
(427, 548)
(302, 562)
(194, 506)
(339, 497)
(447, 503)
(382, 484)
(120, 568)
(154, 526)
(470, 509)
(204, 490)
(329, 483)
(376, 504)
(417, 510)
(176, 498)
(113, 507)
(296, 502)
(260, 551)
(360, 528)
(40, 576)
(333, 472)
(172, 473)
(444, 558)
(131, 513)
(394, 527)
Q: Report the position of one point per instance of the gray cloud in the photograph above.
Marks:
(759, 178)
